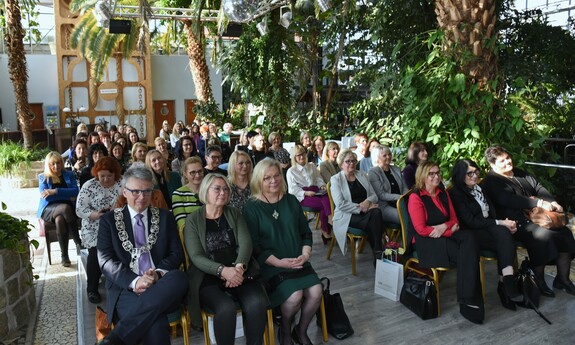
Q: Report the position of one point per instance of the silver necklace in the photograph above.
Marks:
(276, 214)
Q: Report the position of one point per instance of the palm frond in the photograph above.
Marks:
(87, 20)
(129, 41)
(91, 29)
(77, 5)
(96, 41)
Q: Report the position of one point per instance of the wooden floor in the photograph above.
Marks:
(377, 320)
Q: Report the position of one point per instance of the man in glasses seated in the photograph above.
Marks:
(139, 253)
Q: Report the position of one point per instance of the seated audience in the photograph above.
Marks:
(175, 135)
(416, 155)
(477, 214)
(440, 242)
(165, 180)
(162, 147)
(387, 183)
(279, 153)
(305, 183)
(139, 152)
(118, 153)
(58, 192)
(329, 167)
(142, 265)
(282, 243)
(219, 248)
(316, 150)
(305, 140)
(240, 173)
(97, 197)
(185, 199)
(369, 160)
(355, 204)
(184, 149)
(213, 160)
(95, 152)
(513, 191)
(360, 141)
(78, 159)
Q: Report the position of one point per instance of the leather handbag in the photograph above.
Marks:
(420, 296)
(337, 321)
(103, 327)
(547, 219)
(527, 286)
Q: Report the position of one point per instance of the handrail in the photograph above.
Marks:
(552, 165)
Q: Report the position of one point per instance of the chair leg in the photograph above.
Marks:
(352, 251)
(316, 221)
(331, 245)
(323, 320)
(185, 327)
(436, 282)
(482, 276)
(361, 244)
(270, 328)
(48, 248)
(206, 330)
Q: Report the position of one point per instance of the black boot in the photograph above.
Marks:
(63, 240)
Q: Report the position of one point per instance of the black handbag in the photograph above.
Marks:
(337, 321)
(527, 286)
(420, 296)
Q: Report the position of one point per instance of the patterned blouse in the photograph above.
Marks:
(281, 155)
(94, 197)
(239, 196)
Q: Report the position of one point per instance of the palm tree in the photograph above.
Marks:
(14, 36)
(469, 28)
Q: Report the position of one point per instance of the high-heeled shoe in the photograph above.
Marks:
(475, 314)
(567, 287)
(326, 239)
(506, 302)
(295, 336)
(543, 288)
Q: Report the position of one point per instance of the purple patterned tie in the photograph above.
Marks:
(140, 238)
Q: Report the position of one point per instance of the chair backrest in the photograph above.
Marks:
(181, 233)
(331, 204)
(405, 220)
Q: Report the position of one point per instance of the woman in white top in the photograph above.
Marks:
(175, 136)
(306, 184)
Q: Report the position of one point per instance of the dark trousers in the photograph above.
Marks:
(463, 252)
(222, 301)
(498, 239)
(372, 222)
(544, 245)
(144, 317)
(93, 271)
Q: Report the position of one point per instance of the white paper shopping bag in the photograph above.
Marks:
(388, 279)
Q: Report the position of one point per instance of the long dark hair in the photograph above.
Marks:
(180, 148)
(460, 170)
(413, 153)
(93, 148)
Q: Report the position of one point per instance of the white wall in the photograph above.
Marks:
(171, 80)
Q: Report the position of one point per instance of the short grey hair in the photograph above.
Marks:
(343, 154)
(138, 170)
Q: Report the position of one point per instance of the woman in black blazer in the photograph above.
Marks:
(476, 213)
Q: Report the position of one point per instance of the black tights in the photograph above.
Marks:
(372, 222)
(222, 301)
(93, 272)
(563, 263)
(66, 226)
(306, 300)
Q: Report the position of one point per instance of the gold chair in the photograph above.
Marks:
(315, 212)
(484, 255)
(353, 234)
(412, 264)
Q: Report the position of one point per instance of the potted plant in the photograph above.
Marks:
(20, 167)
(16, 288)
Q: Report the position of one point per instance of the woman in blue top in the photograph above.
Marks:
(58, 192)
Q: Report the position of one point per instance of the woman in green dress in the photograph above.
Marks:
(282, 243)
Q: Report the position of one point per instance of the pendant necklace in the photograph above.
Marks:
(276, 215)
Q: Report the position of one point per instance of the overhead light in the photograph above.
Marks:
(81, 109)
(263, 26)
(66, 110)
(285, 17)
(324, 5)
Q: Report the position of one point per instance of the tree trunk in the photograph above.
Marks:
(469, 26)
(198, 65)
(17, 68)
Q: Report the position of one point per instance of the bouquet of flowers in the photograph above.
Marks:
(392, 249)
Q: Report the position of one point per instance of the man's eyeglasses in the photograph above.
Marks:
(219, 189)
(434, 173)
(471, 173)
(137, 192)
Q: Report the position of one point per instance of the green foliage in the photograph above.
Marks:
(13, 231)
(12, 154)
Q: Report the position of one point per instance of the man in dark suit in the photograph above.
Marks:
(140, 253)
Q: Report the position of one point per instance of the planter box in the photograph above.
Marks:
(17, 297)
(25, 176)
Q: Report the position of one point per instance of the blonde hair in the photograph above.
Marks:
(52, 157)
(329, 146)
(207, 182)
(343, 154)
(189, 161)
(422, 172)
(165, 171)
(135, 148)
(298, 150)
(260, 170)
(232, 165)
